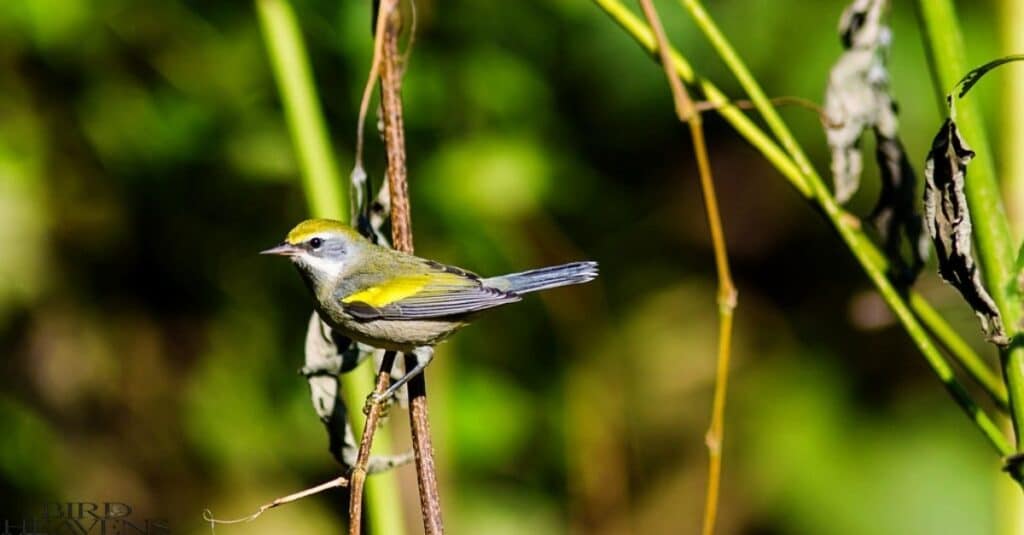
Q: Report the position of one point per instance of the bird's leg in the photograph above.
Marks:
(424, 355)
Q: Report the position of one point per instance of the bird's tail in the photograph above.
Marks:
(544, 278)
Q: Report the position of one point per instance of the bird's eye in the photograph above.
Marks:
(316, 243)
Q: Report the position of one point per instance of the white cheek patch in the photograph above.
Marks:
(322, 266)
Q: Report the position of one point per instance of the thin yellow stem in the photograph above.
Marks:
(716, 430)
(859, 244)
(726, 289)
(810, 185)
(727, 295)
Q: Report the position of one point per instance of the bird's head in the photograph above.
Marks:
(322, 250)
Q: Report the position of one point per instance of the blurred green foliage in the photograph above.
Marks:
(151, 356)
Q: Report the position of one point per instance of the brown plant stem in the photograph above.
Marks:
(401, 233)
(373, 410)
(284, 500)
(358, 477)
(778, 102)
(364, 102)
(727, 294)
(394, 128)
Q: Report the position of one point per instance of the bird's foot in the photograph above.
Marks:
(382, 399)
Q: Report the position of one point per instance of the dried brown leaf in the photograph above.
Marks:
(949, 224)
(858, 99)
(328, 355)
(895, 216)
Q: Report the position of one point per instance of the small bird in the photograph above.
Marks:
(396, 301)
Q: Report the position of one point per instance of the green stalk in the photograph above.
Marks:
(972, 363)
(861, 247)
(326, 198)
(1011, 16)
(320, 178)
(1009, 500)
(754, 135)
(992, 238)
(811, 185)
(749, 84)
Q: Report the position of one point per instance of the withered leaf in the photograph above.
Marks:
(895, 216)
(971, 78)
(329, 354)
(857, 92)
(949, 225)
(858, 98)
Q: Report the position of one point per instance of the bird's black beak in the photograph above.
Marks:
(283, 249)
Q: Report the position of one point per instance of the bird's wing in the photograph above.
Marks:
(439, 292)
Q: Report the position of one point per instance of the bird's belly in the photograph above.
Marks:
(404, 335)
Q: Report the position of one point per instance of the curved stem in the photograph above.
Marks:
(811, 185)
(856, 240)
(722, 104)
(749, 84)
(325, 196)
(727, 294)
(401, 235)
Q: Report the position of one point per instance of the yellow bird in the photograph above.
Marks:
(395, 301)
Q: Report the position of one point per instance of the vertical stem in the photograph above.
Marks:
(320, 178)
(325, 196)
(1011, 15)
(971, 362)
(726, 289)
(426, 470)
(1009, 501)
(401, 230)
(383, 35)
(945, 46)
(358, 477)
(727, 296)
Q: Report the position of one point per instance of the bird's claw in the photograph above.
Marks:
(376, 398)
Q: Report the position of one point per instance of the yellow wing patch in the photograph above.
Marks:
(399, 288)
(393, 290)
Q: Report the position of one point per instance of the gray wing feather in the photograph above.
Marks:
(436, 302)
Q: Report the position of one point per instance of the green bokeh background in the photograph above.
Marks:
(149, 356)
